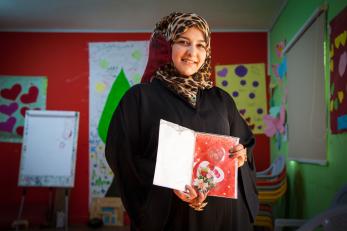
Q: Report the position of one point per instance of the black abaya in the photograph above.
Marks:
(131, 150)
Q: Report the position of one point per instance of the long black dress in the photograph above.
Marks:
(131, 150)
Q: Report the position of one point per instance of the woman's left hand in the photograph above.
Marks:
(192, 197)
(187, 196)
(239, 152)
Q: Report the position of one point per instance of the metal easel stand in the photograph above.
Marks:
(62, 219)
(66, 209)
(18, 223)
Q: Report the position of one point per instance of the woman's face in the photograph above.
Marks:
(189, 51)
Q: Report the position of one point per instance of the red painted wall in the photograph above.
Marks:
(63, 58)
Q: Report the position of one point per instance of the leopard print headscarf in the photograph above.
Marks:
(171, 27)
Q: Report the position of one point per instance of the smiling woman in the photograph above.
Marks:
(177, 87)
(189, 52)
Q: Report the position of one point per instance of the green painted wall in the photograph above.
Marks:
(310, 187)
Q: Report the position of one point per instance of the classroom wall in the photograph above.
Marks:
(63, 58)
(311, 187)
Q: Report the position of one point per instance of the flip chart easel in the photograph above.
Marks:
(49, 152)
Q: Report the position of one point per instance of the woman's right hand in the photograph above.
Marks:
(239, 152)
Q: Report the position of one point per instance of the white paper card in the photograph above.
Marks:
(174, 164)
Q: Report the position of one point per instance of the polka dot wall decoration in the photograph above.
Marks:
(246, 85)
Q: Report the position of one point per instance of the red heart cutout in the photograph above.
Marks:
(20, 130)
(11, 93)
(23, 110)
(8, 109)
(31, 96)
(8, 125)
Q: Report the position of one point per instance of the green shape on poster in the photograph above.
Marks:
(119, 87)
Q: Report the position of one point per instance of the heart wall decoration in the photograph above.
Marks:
(17, 95)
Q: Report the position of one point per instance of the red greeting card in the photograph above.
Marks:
(213, 170)
(186, 157)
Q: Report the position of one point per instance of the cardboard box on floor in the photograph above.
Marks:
(109, 209)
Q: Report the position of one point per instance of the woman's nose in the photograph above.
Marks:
(191, 50)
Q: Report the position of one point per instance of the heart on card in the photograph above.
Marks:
(8, 109)
(20, 130)
(8, 125)
(11, 93)
(31, 96)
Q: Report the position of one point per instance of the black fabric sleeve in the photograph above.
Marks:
(126, 153)
(121, 150)
(248, 171)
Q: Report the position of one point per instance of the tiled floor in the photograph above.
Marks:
(104, 228)
(79, 228)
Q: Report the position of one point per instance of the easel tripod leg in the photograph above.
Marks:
(17, 223)
(66, 209)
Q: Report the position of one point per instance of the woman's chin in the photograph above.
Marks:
(187, 73)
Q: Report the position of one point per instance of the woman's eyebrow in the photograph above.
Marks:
(186, 38)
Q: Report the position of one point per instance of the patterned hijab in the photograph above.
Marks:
(160, 63)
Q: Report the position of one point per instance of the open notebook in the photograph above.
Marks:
(200, 159)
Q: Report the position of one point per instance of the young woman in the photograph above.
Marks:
(177, 87)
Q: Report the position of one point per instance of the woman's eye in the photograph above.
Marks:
(202, 46)
(183, 42)
(187, 43)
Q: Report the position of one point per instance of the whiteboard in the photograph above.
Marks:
(49, 146)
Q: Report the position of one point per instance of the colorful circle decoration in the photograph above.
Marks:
(251, 95)
(225, 83)
(247, 86)
(241, 71)
(260, 111)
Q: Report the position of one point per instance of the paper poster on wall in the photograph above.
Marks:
(113, 68)
(246, 84)
(17, 95)
(338, 73)
(49, 147)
